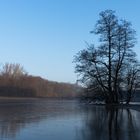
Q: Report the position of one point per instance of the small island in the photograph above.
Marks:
(110, 70)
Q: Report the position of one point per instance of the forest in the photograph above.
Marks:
(16, 82)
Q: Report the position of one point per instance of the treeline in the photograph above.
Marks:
(15, 82)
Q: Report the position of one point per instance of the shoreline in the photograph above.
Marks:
(133, 105)
(17, 98)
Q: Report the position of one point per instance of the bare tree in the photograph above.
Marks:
(103, 67)
(13, 70)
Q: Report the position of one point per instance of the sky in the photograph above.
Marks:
(44, 35)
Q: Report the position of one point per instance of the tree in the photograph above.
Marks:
(103, 68)
(13, 70)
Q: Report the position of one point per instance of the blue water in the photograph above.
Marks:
(66, 120)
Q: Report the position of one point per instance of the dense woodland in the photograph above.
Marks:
(15, 82)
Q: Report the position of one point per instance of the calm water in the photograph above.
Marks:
(66, 120)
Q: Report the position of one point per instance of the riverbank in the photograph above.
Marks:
(18, 98)
(132, 105)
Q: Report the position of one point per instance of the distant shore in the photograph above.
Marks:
(17, 98)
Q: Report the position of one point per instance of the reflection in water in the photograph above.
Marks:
(111, 123)
(55, 119)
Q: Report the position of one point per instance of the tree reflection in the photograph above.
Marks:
(93, 122)
(111, 123)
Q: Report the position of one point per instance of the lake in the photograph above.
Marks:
(40, 119)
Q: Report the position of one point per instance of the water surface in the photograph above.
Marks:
(65, 120)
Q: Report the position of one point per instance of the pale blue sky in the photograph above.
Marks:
(44, 35)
